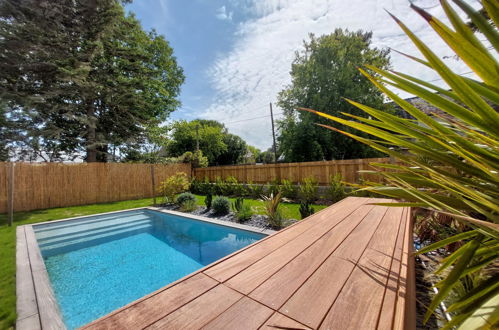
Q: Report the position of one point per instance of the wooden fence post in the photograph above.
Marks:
(153, 182)
(10, 198)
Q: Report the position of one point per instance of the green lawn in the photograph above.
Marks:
(289, 210)
(8, 240)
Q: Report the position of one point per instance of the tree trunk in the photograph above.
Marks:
(91, 135)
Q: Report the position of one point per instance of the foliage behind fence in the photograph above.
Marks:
(295, 172)
(47, 185)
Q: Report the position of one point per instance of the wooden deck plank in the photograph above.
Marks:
(256, 274)
(223, 271)
(387, 312)
(405, 310)
(48, 309)
(279, 321)
(157, 306)
(324, 285)
(347, 266)
(200, 311)
(280, 286)
(26, 305)
(245, 314)
(366, 285)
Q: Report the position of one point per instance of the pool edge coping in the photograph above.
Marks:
(36, 305)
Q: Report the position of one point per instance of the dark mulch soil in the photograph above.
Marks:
(423, 295)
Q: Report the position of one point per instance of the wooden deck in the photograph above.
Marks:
(346, 267)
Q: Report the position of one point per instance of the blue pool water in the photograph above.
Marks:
(101, 263)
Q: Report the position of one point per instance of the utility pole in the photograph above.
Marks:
(197, 137)
(273, 133)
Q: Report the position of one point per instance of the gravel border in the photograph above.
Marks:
(257, 220)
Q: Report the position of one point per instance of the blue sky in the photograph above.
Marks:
(236, 54)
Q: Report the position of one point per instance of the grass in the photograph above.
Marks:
(8, 239)
(289, 210)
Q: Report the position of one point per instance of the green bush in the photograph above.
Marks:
(255, 190)
(173, 186)
(336, 190)
(183, 197)
(288, 189)
(219, 186)
(273, 187)
(220, 205)
(306, 210)
(207, 201)
(245, 213)
(196, 158)
(188, 205)
(308, 190)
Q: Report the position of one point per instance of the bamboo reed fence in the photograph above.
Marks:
(295, 172)
(46, 185)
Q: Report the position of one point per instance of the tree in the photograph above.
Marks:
(87, 75)
(186, 135)
(235, 152)
(322, 74)
(267, 156)
(216, 143)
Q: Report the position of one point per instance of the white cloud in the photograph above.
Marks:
(249, 77)
(223, 14)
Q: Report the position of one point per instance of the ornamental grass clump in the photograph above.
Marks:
(273, 211)
(243, 211)
(449, 158)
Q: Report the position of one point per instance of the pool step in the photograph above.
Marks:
(89, 232)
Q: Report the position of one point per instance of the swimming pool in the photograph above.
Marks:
(100, 263)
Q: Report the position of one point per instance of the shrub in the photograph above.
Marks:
(207, 201)
(449, 160)
(272, 210)
(288, 189)
(243, 211)
(273, 187)
(173, 186)
(219, 186)
(188, 205)
(220, 205)
(306, 209)
(255, 190)
(231, 187)
(185, 197)
(308, 190)
(336, 190)
(196, 158)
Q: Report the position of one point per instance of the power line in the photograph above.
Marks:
(248, 119)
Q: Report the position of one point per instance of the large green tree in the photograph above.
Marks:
(322, 74)
(88, 76)
(216, 143)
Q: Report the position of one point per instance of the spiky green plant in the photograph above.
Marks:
(272, 209)
(450, 159)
